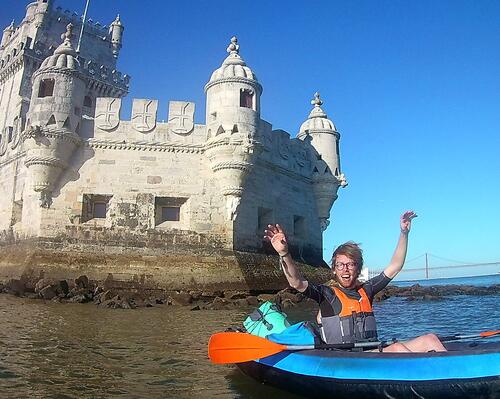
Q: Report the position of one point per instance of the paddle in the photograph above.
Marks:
(484, 334)
(236, 347)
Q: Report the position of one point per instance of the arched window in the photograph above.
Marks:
(246, 98)
(87, 101)
(46, 88)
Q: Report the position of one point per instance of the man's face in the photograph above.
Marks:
(346, 271)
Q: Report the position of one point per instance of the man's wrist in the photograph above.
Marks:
(284, 255)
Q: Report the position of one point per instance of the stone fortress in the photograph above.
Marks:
(170, 204)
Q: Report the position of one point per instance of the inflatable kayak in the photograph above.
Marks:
(467, 370)
(293, 358)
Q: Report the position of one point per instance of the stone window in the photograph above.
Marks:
(246, 98)
(10, 130)
(95, 206)
(46, 88)
(170, 213)
(28, 42)
(299, 226)
(169, 210)
(265, 217)
(87, 101)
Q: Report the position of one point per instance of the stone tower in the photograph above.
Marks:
(326, 175)
(23, 48)
(54, 117)
(232, 117)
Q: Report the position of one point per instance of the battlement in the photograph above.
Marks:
(144, 115)
(96, 27)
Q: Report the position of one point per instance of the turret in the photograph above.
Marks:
(116, 32)
(326, 174)
(7, 33)
(54, 117)
(40, 12)
(233, 118)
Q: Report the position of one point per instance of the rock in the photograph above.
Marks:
(44, 282)
(240, 302)
(103, 297)
(82, 282)
(196, 294)
(80, 298)
(15, 286)
(267, 297)
(181, 298)
(47, 292)
(62, 288)
(253, 301)
(287, 304)
(118, 302)
(232, 295)
(295, 297)
(218, 304)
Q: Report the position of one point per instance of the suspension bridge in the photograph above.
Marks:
(429, 268)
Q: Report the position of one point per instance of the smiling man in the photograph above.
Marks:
(346, 314)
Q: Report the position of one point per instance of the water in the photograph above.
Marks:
(479, 281)
(51, 350)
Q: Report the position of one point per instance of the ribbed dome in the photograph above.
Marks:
(318, 120)
(233, 66)
(65, 55)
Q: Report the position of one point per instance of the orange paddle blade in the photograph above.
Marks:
(489, 333)
(236, 347)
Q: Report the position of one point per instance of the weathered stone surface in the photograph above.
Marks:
(47, 292)
(181, 298)
(15, 286)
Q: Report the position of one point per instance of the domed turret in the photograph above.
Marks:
(54, 117)
(326, 174)
(233, 118)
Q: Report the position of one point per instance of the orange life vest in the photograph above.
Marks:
(354, 323)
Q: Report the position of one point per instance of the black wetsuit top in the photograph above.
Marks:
(330, 305)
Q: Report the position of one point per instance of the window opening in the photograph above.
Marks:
(246, 98)
(299, 226)
(46, 88)
(169, 209)
(87, 101)
(265, 217)
(95, 206)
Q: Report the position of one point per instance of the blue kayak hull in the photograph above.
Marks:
(466, 371)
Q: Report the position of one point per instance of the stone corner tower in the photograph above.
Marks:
(232, 123)
(326, 174)
(54, 117)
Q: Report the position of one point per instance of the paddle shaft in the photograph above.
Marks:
(236, 347)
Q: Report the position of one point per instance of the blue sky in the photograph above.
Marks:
(413, 88)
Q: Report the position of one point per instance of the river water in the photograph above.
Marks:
(51, 350)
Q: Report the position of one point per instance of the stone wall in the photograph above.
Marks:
(170, 263)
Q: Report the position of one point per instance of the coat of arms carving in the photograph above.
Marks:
(181, 117)
(144, 115)
(107, 113)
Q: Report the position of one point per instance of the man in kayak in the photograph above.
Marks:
(345, 313)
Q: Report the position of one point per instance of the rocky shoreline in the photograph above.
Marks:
(83, 290)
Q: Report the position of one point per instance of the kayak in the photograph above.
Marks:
(467, 370)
